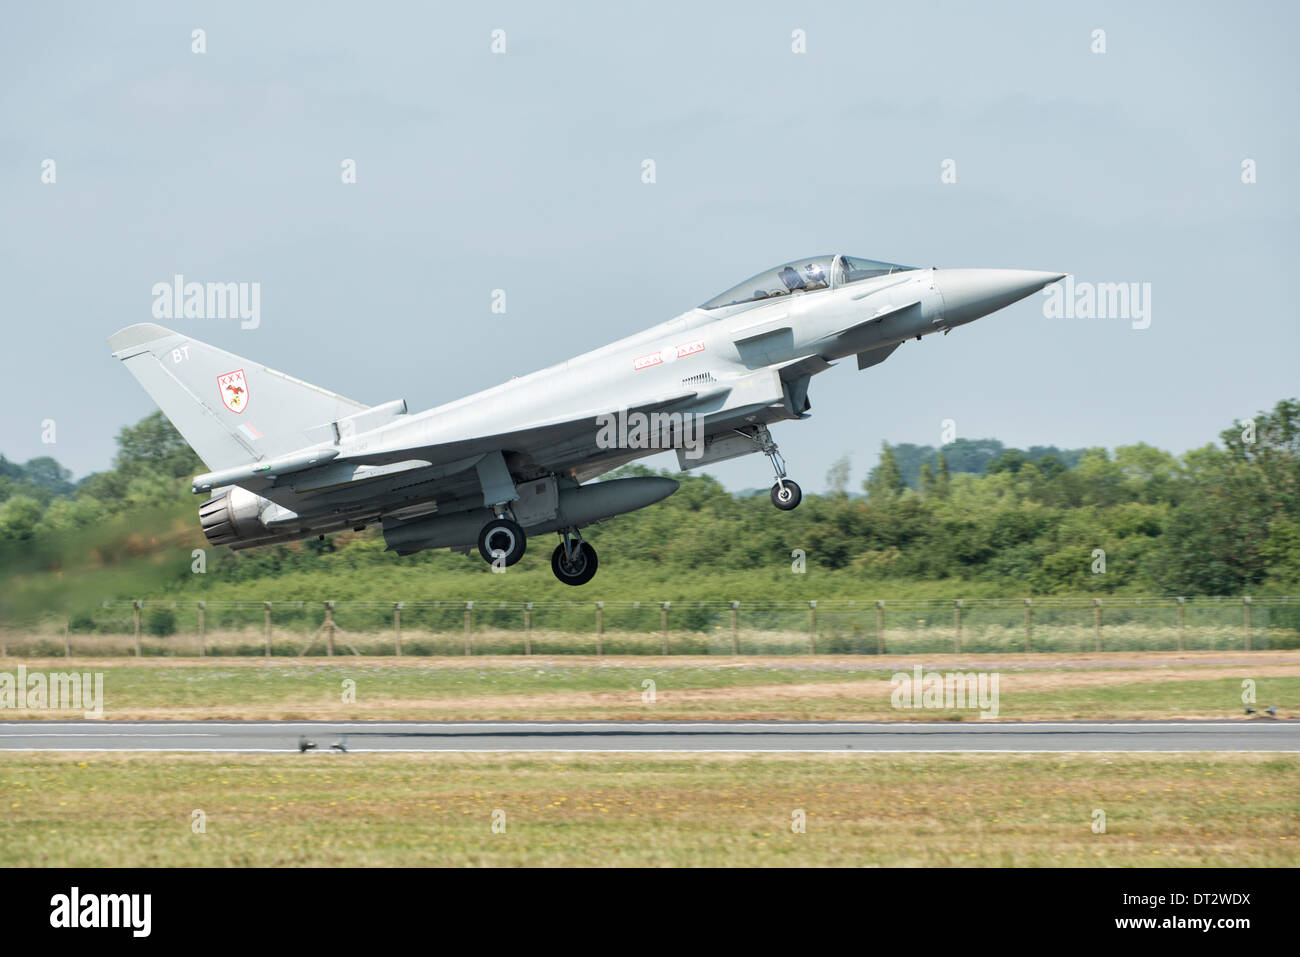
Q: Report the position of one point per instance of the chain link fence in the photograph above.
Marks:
(841, 626)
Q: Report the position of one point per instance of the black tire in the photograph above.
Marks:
(581, 571)
(786, 495)
(502, 536)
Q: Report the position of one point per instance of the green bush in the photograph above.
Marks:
(160, 622)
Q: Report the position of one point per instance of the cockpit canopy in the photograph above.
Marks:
(803, 275)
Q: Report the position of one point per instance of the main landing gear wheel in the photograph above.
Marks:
(502, 541)
(579, 569)
(786, 495)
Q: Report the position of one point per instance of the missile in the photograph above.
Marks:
(576, 506)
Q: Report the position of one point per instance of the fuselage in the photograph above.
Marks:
(721, 345)
(735, 364)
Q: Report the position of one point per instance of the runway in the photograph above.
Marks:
(629, 736)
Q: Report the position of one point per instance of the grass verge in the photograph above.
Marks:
(1231, 810)
(1030, 687)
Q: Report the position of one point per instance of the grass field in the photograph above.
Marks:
(1037, 686)
(649, 810)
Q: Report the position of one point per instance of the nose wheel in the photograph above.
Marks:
(502, 541)
(573, 561)
(786, 494)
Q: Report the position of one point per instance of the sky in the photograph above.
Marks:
(479, 170)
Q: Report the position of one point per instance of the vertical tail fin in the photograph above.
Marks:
(229, 409)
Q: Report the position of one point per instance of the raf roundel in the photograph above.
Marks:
(234, 390)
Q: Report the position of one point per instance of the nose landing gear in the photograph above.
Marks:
(786, 494)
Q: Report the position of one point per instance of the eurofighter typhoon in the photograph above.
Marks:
(290, 460)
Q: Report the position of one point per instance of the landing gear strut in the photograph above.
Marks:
(502, 541)
(786, 494)
(573, 561)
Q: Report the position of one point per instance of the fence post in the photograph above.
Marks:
(956, 617)
(1180, 624)
(880, 627)
(1096, 622)
(329, 628)
(1029, 627)
(600, 627)
(469, 624)
(663, 624)
(735, 631)
(397, 627)
(67, 638)
(812, 627)
(203, 641)
(135, 614)
(1245, 604)
(528, 627)
(268, 628)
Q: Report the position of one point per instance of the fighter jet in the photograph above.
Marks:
(290, 460)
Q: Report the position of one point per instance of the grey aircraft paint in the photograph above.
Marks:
(290, 460)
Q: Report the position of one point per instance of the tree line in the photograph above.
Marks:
(1219, 520)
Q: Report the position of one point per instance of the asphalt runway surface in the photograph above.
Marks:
(625, 736)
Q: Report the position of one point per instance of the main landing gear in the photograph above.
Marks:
(786, 494)
(502, 542)
(573, 561)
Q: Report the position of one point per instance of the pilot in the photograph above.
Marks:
(816, 275)
(791, 279)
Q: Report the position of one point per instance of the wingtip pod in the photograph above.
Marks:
(274, 468)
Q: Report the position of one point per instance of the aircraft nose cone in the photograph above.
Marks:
(971, 293)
